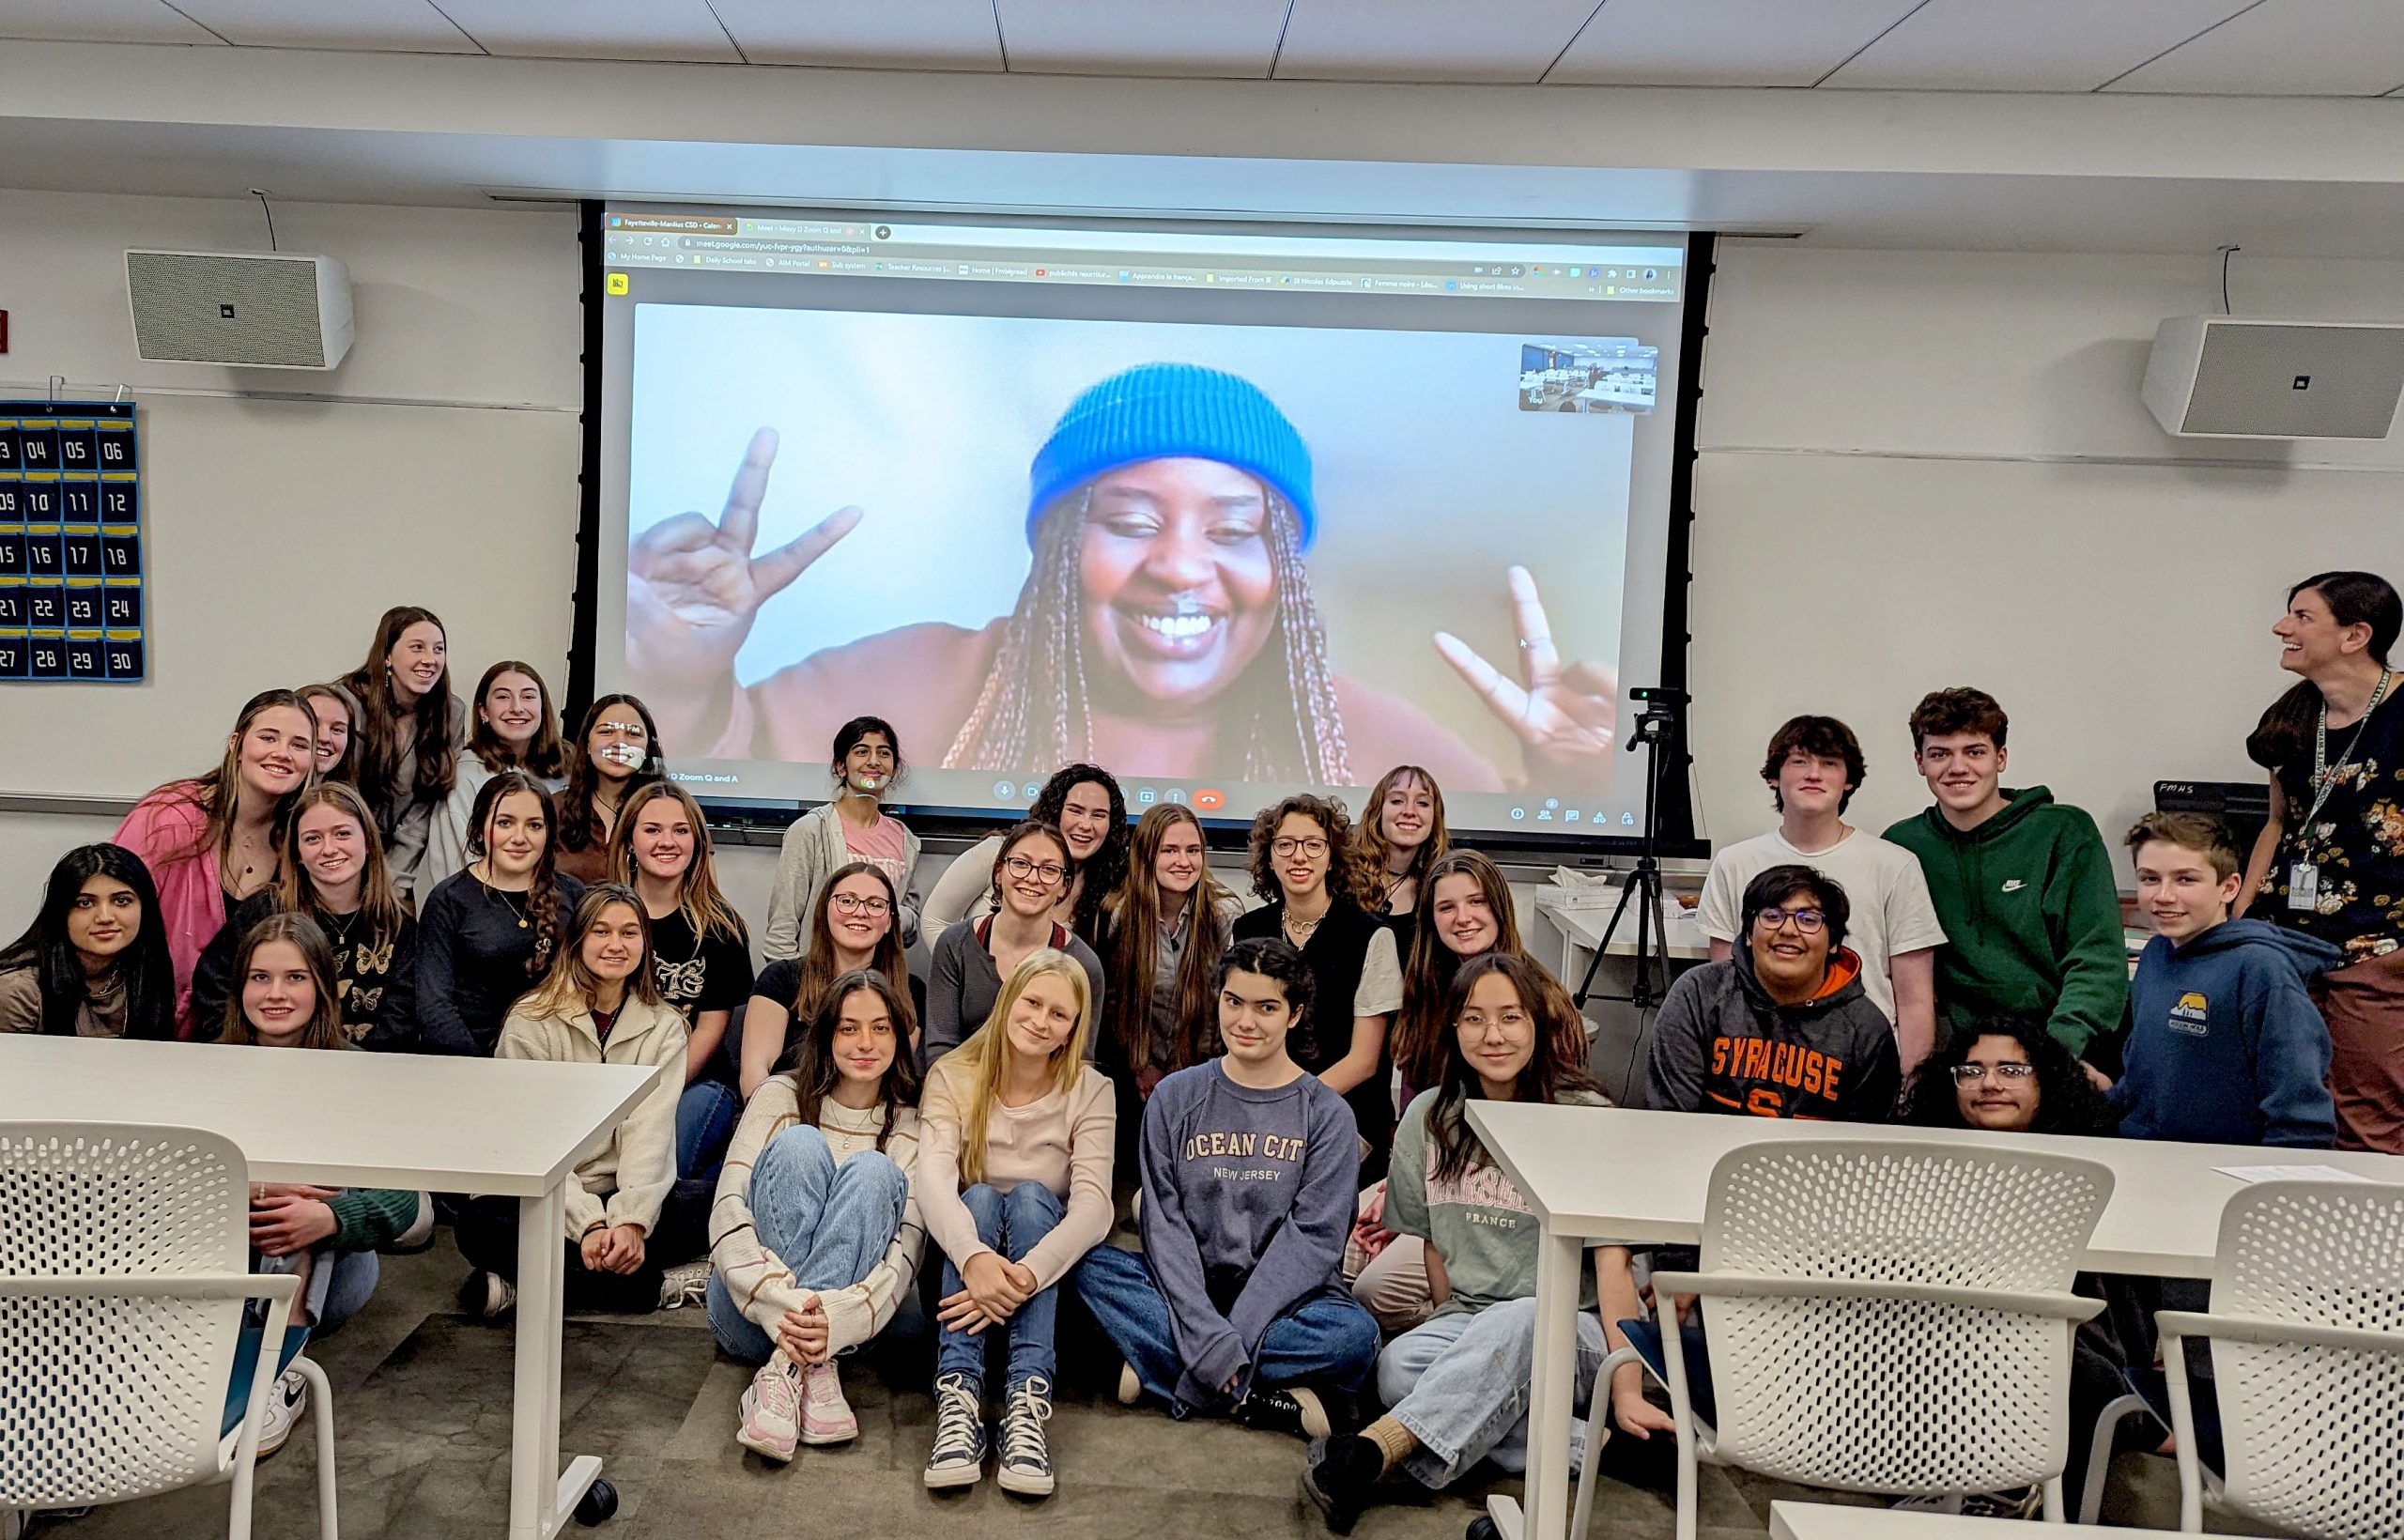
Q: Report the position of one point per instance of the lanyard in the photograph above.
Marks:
(2323, 779)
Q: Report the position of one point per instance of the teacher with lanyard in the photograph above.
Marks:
(2331, 860)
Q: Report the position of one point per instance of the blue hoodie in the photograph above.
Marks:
(2228, 1048)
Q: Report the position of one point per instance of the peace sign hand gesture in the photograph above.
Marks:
(1565, 717)
(693, 587)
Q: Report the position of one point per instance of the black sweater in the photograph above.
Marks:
(377, 986)
(471, 957)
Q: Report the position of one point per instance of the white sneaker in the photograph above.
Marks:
(1131, 1385)
(771, 1423)
(683, 1285)
(287, 1399)
(827, 1418)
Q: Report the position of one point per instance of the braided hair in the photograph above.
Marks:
(1037, 707)
(542, 897)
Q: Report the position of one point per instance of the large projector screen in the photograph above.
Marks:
(1233, 513)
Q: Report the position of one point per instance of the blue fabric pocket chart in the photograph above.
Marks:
(71, 576)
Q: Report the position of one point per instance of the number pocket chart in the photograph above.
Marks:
(71, 543)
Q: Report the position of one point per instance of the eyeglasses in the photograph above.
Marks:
(1807, 921)
(1970, 1074)
(1022, 868)
(852, 903)
(1289, 847)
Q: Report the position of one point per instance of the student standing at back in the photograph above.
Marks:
(2022, 883)
(407, 735)
(515, 728)
(1813, 767)
(212, 841)
(2228, 1048)
(2331, 861)
(616, 750)
(335, 712)
(93, 962)
(851, 826)
(1403, 835)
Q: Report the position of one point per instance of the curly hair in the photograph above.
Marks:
(1106, 868)
(2067, 1100)
(1343, 864)
(1036, 706)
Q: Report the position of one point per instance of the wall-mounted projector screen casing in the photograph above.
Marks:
(1233, 511)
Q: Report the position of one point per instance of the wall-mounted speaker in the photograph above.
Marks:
(261, 310)
(2221, 376)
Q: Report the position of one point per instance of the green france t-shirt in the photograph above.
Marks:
(1485, 1232)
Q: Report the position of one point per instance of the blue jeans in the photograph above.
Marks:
(828, 1224)
(1011, 1222)
(706, 1117)
(1459, 1384)
(340, 1285)
(1328, 1341)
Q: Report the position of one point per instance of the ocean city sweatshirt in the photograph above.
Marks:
(1249, 1197)
(2228, 1048)
(2031, 916)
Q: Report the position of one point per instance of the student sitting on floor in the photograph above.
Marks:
(814, 1237)
(93, 962)
(1782, 1028)
(1248, 1166)
(2228, 1048)
(629, 1220)
(1457, 1387)
(1014, 1160)
(489, 935)
(283, 997)
(851, 926)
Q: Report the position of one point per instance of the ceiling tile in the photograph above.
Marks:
(1428, 39)
(2287, 48)
(399, 27)
(99, 21)
(2030, 45)
(595, 29)
(1722, 43)
(919, 35)
(1225, 37)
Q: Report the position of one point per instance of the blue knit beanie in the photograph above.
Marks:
(1157, 411)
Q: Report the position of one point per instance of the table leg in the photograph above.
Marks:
(534, 1486)
(1551, 1392)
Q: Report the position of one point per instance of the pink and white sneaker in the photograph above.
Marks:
(772, 1411)
(825, 1416)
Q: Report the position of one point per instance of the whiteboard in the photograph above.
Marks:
(276, 533)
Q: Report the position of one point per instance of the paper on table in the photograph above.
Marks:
(2287, 1173)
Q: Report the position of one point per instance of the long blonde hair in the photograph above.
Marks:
(983, 1062)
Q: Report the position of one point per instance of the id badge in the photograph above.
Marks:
(2303, 886)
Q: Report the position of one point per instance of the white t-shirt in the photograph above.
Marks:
(1891, 910)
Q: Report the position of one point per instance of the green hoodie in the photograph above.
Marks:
(2031, 916)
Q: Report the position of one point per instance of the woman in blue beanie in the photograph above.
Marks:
(1166, 627)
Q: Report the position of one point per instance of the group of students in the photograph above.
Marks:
(1277, 1095)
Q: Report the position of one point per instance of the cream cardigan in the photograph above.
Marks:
(625, 1180)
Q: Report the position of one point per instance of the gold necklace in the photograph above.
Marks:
(506, 901)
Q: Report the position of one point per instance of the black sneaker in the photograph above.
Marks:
(1483, 1528)
(1286, 1410)
(1339, 1474)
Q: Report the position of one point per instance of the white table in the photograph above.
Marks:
(504, 1127)
(1596, 1172)
(1581, 929)
(1831, 1521)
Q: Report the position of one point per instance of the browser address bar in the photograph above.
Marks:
(1269, 247)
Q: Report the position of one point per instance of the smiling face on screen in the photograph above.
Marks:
(1179, 589)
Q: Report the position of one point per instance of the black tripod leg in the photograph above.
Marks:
(1603, 943)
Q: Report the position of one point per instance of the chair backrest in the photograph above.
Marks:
(1896, 1395)
(110, 1397)
(2314, 1436)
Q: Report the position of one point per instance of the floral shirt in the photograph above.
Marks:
(2357, 841)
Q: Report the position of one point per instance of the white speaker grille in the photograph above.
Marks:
(2298, 381)
(226, 309)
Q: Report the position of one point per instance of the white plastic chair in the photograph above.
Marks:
(1889, 1317)
(124, 1253)
(2307, 1337)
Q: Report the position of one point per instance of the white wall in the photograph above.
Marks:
(1926, 469)
(438, 466)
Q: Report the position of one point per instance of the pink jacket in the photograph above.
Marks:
(191, 900)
